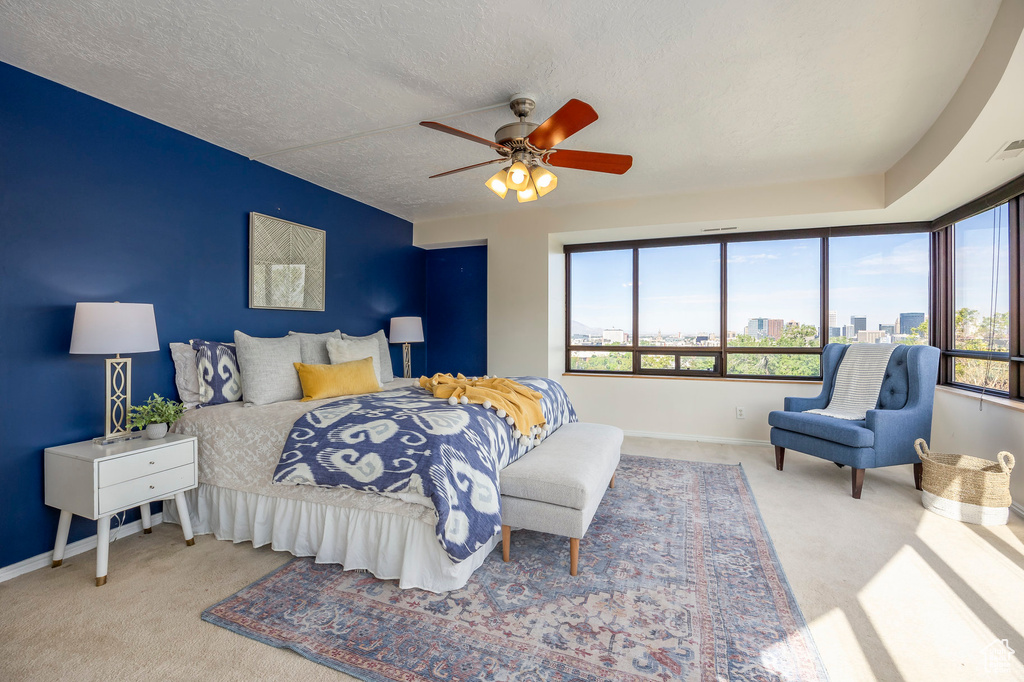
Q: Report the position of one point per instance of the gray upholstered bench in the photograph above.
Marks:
(556, 487)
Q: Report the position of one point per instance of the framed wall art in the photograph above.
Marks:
(287, 264)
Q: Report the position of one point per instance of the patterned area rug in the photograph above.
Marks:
(678, 579)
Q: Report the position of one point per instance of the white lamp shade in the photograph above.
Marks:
(406, 330)
(108, 328)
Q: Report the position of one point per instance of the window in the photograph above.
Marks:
(747, 305)
(981, 305)
(878, 289)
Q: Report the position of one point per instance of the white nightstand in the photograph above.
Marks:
(98, 481)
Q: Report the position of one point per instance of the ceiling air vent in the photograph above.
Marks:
(718, 229)
(1009, 150)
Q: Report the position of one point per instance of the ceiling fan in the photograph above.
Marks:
(531, 146)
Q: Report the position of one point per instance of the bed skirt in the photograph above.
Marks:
(390, 546)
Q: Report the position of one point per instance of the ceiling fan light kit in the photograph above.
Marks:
(529, 145)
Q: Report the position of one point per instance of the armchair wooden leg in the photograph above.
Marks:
(780, 457)
(858, 482)
(918, 472)
(574, 556)
(506, 541)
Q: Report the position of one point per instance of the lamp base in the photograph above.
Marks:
(116, 438)
(407, 360)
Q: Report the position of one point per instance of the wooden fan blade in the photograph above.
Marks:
(590, 161)
(573, 117)
(465, 168)
(434, 125)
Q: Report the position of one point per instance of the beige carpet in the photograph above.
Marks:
(890, 591)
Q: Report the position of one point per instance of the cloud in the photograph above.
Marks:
(753, 258)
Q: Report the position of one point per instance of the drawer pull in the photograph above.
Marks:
(152, 487)
(152, 463)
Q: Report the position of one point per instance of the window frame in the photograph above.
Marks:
(943, 289)
(722, 351)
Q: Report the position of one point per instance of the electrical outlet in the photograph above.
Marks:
(740, 413)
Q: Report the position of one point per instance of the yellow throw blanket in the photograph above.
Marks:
(510, 399)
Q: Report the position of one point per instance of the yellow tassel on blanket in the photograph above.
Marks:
(510, 399)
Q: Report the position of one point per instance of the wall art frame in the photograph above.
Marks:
(287, 264)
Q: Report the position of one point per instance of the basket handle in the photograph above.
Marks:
(1006, 461)
(922, 449)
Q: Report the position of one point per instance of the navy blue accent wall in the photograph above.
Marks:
(455, 327)
(98, 204)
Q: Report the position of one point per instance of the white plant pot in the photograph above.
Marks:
(156, 431)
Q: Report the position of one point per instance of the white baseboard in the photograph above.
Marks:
(699, 439)
(78, 547)
(1017, 509)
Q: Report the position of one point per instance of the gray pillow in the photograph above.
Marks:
(268, 368)
(314, 346)
(349, 350)
(386, 371)
(186, 376)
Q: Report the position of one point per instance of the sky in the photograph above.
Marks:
(876, 276)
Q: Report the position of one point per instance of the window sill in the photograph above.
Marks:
(1017, 405)
(800, 382)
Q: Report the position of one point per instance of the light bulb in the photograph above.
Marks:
(543, 179)
(529, 193)
(496, 183)
(518, 176)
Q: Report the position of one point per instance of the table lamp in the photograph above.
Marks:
(406, 330)
(105, 328)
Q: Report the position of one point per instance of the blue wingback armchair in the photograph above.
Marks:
(885, 437)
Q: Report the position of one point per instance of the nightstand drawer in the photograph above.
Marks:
(120, 469)
(132, 493)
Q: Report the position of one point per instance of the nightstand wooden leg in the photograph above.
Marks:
(147, 524)
(63, 526)
(102, 549)
(186, 522)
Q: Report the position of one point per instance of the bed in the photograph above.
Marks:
(391, 535)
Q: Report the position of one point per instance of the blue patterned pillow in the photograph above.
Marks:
(219, 378)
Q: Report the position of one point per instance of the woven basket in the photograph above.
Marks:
(966, 488)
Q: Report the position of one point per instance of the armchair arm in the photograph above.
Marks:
(896, 430)
(830, 358)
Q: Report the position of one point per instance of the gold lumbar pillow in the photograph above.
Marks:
(331, 381)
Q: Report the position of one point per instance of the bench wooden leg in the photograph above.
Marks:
(918, 474)
(506, 539)
(611, 483)
(780, 457)
(574, 555)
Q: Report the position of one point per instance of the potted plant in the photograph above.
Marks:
(155, 416)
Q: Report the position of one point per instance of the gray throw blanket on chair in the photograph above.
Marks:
(858, 381)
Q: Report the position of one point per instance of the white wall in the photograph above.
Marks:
(701, 409)
(960, 427)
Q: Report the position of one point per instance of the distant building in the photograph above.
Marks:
(859, 323)
(889, 329)
(615, 336)
(832, 319)
(865, 336)
(907, 321)
(764, 327)
(701, 340)
(835, 332)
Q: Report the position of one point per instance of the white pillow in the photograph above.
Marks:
(314, 346)
(268, 368)
(386, 371)
(186, 376)
(348, 350)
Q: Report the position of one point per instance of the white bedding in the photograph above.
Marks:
(239, 447)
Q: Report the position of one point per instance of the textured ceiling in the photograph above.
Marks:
(703, 95)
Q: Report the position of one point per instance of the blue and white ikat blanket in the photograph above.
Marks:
(407, 441)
